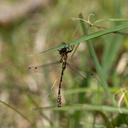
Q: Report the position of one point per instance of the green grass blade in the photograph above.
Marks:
(112, 49)
(88, 107)
(99, 33)
(95, 60)
(111, 20)
(91, 36)
(111, 53)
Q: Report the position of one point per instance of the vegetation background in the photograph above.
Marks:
(28, 97)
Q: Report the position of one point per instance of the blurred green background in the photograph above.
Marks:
(28, 27)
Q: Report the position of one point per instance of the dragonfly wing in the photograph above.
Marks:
(82, 74)
(36, 67)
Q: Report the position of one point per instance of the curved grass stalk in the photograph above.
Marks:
(17, 111)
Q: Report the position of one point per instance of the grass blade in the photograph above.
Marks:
(91, 36)
(87, 107)
(18, 112)
(95, 60)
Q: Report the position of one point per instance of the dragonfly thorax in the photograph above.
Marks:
(65, 50)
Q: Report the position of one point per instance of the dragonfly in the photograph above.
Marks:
(63, 52)
(64, 55)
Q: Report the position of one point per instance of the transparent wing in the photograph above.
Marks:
(36, 67)
(80, 73)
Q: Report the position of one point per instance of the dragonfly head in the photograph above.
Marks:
(66, 49)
